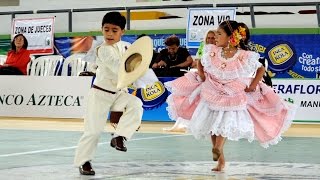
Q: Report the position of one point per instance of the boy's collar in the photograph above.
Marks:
(117, 44)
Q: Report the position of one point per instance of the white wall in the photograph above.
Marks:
(90, 21)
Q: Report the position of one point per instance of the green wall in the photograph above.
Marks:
(181, 31)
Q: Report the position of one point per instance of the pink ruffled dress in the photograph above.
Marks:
(220, 106)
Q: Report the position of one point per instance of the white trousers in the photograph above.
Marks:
(98, 106)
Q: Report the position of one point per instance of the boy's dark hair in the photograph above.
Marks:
(25, 43)
(172, 40)
(114, 18)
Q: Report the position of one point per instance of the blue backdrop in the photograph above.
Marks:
(289, 55)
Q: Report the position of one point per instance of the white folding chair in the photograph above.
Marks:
(74, 64)
(46, 65)
(3, 59)
(29, 64)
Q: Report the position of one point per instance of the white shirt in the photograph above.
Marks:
(108, 62)
(91, 55)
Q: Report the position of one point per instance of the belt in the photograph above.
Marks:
(97, 87)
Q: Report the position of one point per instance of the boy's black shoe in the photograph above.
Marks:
(86, 169)
(118, 143)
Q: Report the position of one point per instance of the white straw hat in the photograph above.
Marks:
(135, 61)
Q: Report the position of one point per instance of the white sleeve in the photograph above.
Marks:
(253, 61)
(91, 54)
(106, 58)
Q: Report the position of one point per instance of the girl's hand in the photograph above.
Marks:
(251, 88)
(202, 76)
(256, 79)
(201, 71)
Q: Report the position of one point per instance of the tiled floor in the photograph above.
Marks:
(27, 153)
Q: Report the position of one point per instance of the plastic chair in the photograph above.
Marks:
(29, 64)
(73, 65)
(46, 65)
(3, 59)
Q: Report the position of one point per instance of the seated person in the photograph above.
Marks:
(17, 58)
(173, 59)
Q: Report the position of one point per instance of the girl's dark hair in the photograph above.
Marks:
(114, 18)
(230, 25)
(25, 42)
(229, 30)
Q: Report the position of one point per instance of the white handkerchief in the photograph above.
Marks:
(148, 78)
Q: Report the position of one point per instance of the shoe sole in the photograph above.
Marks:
(112, 145)
(87, 173)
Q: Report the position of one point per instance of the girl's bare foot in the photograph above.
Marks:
(221, 164)
(219, 167)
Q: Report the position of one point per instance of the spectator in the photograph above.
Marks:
(173, 59)
(208, 39)
(17, 58)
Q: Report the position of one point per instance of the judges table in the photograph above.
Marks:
(44, 96)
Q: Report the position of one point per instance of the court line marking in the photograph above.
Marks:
(73, 147)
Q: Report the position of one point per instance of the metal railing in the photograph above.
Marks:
(129, 9)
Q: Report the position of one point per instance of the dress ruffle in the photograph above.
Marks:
(233, 125)
(240, 65)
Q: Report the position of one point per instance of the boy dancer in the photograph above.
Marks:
(104, 96)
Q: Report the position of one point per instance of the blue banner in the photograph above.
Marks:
(290, 56)
(158, 41)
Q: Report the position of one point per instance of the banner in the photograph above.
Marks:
(303, 93)
(44, 96)
(290, 55)
(39, 33)
(201, 20)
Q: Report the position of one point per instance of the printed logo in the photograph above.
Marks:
(152, 92)
(152, 96)
(280, 54)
